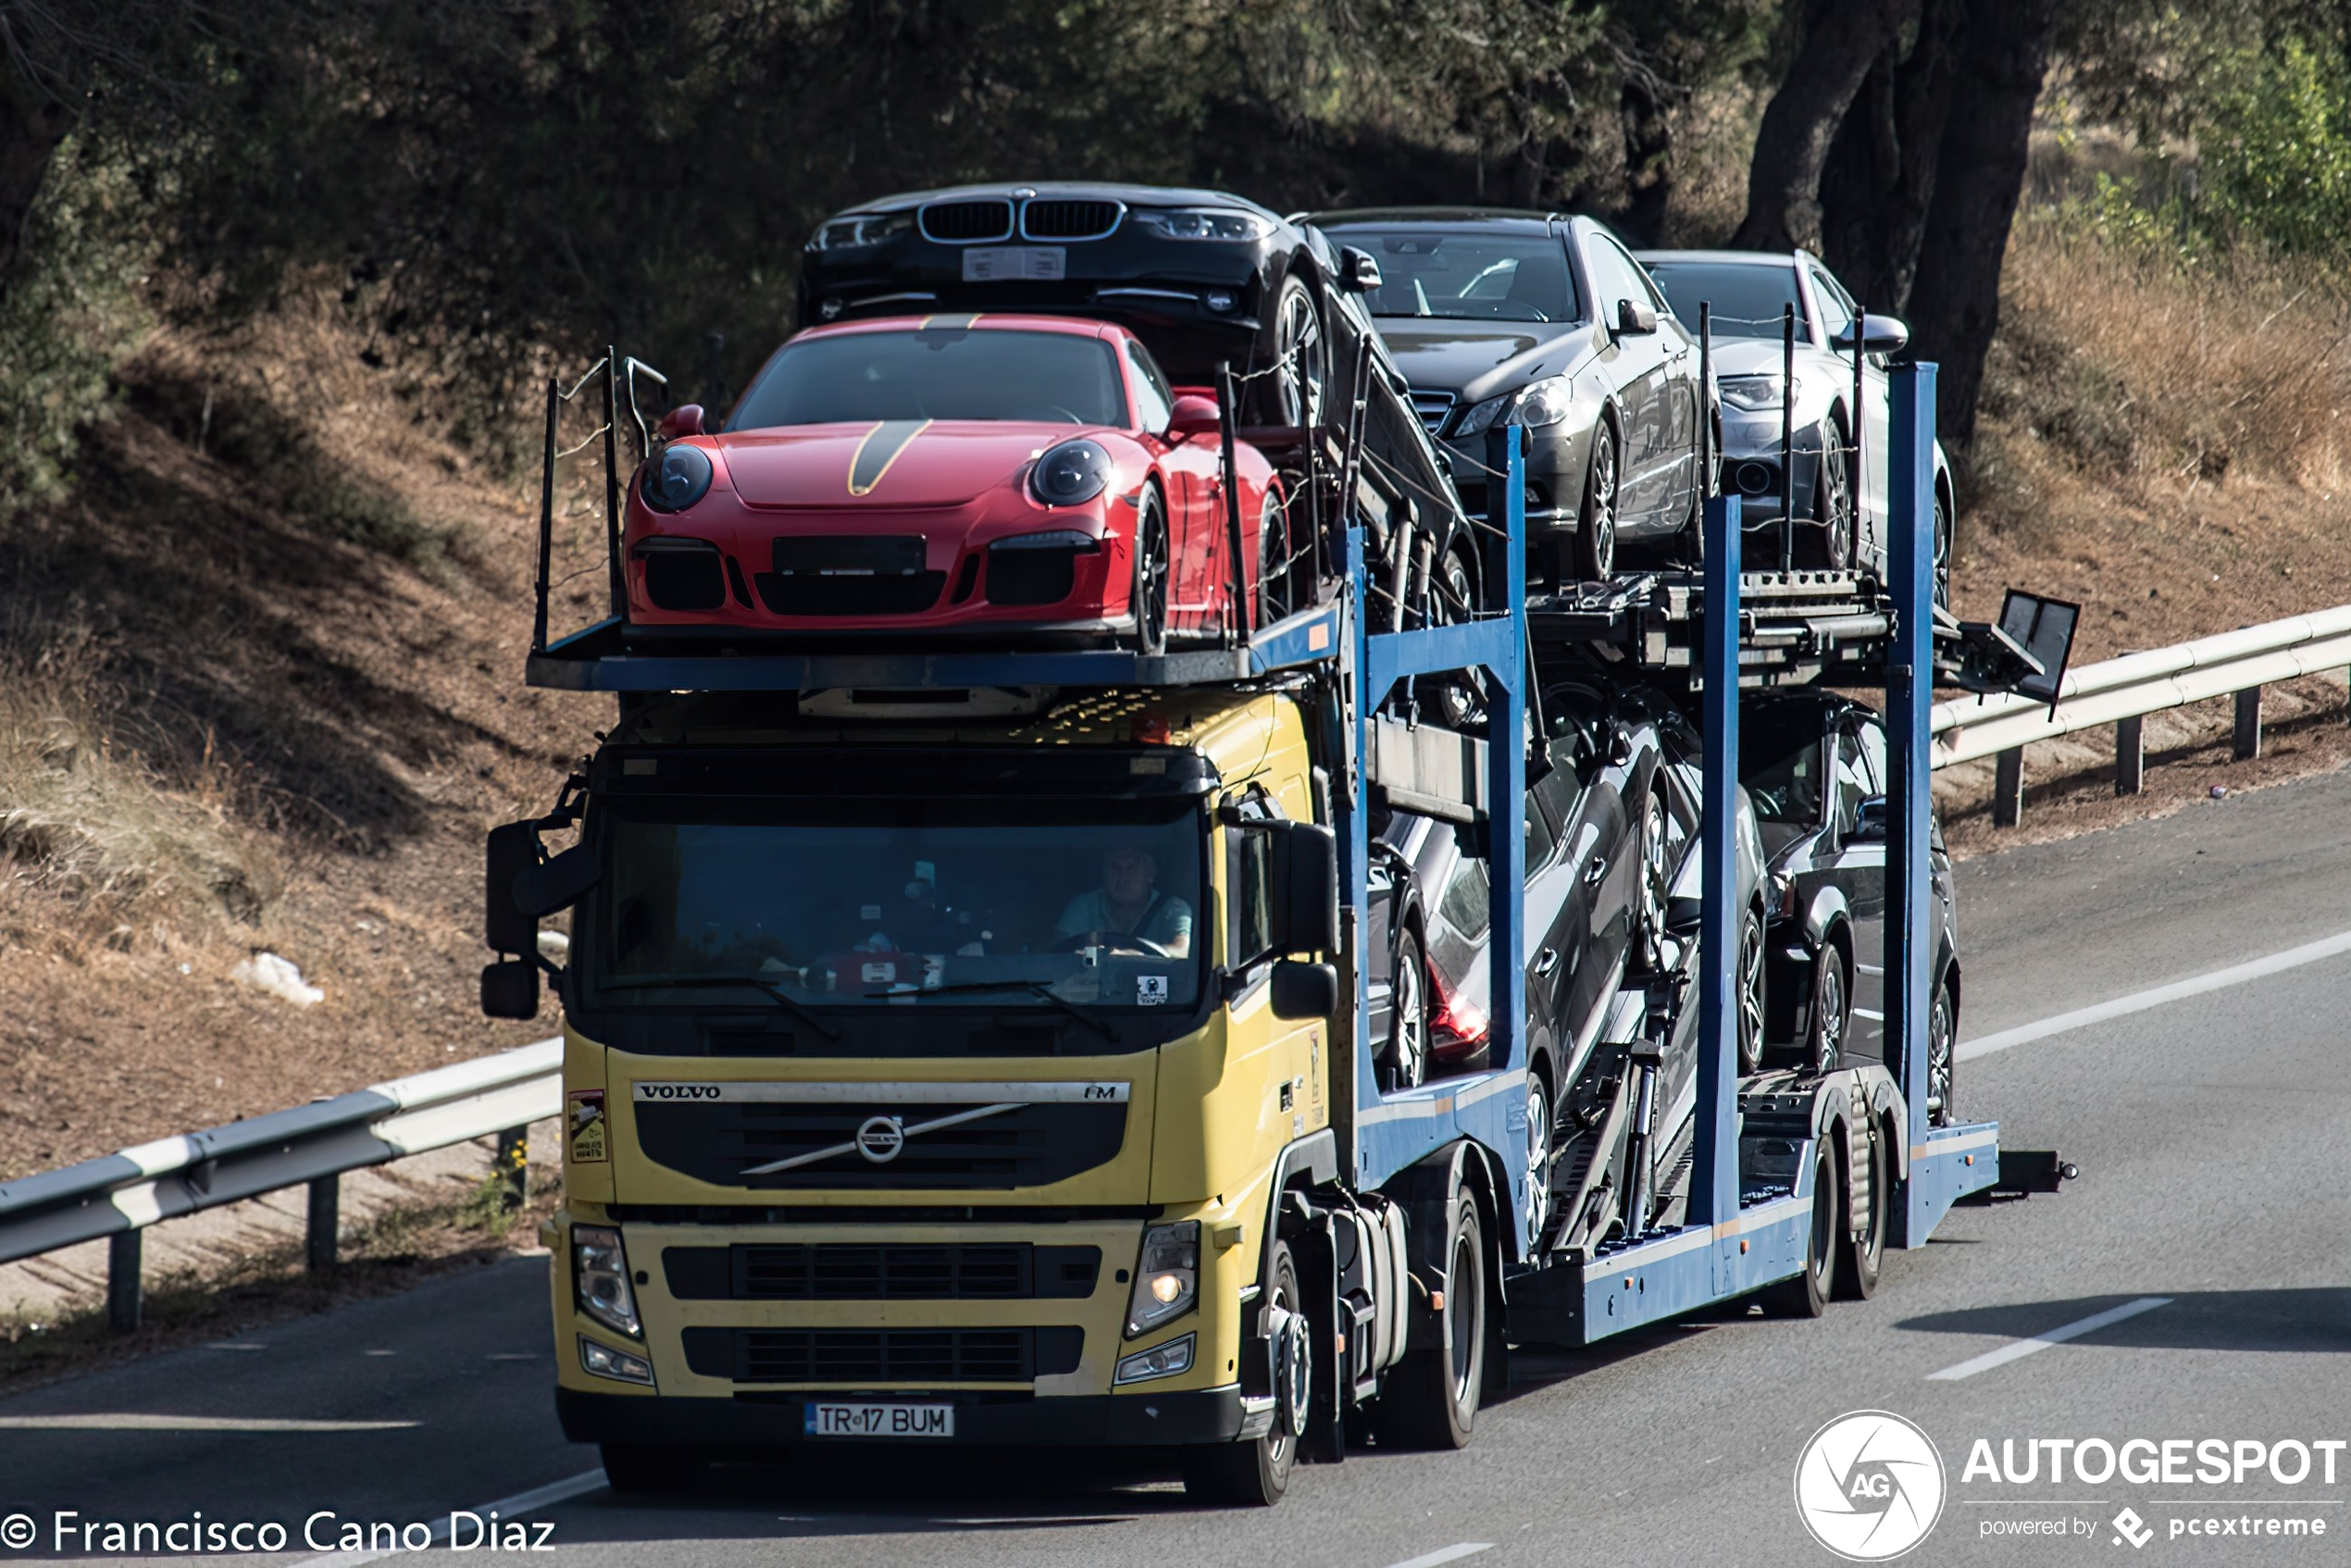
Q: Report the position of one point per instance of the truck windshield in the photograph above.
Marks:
(848, 905)
(1033, 377)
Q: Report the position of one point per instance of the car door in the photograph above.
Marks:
(1859, 748)
(1838, 311)
(1193, 469)
(1553, 912)
(1640, 373)
(1683, 403)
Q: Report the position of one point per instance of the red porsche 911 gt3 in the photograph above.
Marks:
(989, 475)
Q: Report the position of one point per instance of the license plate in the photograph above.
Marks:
(998, 264)
(878, 1421)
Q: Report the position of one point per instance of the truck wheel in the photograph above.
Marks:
(1150, 593)
(640, 1468)
(1808, 1294)
(1859, 1258)
(1824, 1036)
(1255, 1473)
(1431, 1399)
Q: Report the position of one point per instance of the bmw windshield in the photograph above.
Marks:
(858, 377)
(822, 904)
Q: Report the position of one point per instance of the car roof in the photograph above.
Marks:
(1513, 220)
(975, 321)
(1724, 258)
(1133, 195)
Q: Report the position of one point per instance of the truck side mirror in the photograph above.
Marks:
(1306, 862)
(1303, 990)
(555, 886)
(1868, 821)
(510, 989)
(507, 926)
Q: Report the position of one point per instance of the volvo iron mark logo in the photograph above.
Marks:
(880, 1137)
(1869, 1485)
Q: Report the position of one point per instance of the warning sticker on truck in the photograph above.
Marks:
(585, 1123)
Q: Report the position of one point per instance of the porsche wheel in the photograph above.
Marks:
(1299, 356)
(1150, 593)
(1276, 572)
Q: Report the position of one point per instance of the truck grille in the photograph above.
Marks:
(845, 1272)
(1434, 407)
(965, 223)
(1070, 219)
(1029, 1146)
(883, 1355)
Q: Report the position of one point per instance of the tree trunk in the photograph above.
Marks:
(1841, 40)
(1648, 159)
(1879, 180)
(1955, 302)
(31, 124)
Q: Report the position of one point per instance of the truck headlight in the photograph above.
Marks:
(1159, 1361)
(1166, 1276)
(603, 1361)
(600, 1279)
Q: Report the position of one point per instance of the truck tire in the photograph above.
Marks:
(1859, 1258)
(1808, 1294)
(640, 1468)
(1255, 1473)
(1432, 1396)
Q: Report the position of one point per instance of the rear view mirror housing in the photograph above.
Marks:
(1306, 880)
(1634, 320)
(1194, 415)
(1358, 270)
(686, 420)
(513, 854)
(1880, 335)
(510, 989)
(1684, 915)
(1303, 990)
(1868, 821)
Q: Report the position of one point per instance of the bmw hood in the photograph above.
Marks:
(1476, 359)
(885, 463)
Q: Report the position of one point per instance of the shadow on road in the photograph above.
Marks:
(2309, 1318)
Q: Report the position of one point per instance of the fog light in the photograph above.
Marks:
(1755, 479)
(1159, 1361)
(603, 1361)
(1223, 301)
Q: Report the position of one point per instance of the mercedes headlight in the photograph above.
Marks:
(1205, 223)
(1755, 393)
(678, 478)
(1166, 1276)
(600, 1279)
(1479, 418)
(861, 229)
(1545, 402)
(1067, 475)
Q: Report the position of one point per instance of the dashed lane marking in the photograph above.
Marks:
(2019, 1350)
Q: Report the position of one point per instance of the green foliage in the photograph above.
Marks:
(2277, 150)
(72, 313)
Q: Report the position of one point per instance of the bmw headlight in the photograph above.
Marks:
(1755, 393)
(1070, 474)
(678, 478)
(860, 230)
(1545, 402)
(1205, 223)
(1166, 1276)
(600, 1279)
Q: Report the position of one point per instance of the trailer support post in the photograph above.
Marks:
(125, 1305)
(2007, 787)
(1909, 695)
(1714, 1171)
(2130, 756)
(2247, 738)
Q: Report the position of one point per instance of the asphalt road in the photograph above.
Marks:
(2209, 1129)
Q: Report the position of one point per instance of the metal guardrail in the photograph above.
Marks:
(119, 1195)
(2123, 691)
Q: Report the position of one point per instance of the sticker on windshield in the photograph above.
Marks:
(877, 974)
(586, 1122)
(1151, 990)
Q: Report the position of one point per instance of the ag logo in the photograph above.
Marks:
(880, 1137)
(1869, 1485)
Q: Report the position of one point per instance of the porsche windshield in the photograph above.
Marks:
(850, 903)
(857, 377)
(1467, 274)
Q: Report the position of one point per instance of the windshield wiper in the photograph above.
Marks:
(1084, 1016)
(677, 982)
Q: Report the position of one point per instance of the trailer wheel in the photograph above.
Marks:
(1255, 1473)
(642, 1468)
(1432, 1396)
(1150, 595)
(1861, 1258)
(1808, 1294)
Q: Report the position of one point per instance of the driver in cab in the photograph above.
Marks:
(1129, 904)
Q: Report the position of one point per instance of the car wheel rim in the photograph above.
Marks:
(1150, 609)
(1835, 506)
(1942, 555)
(1298, 341)
(1411, 1047)
(1603, 508)
(1831, 1012)
(1938, 1059)
(1750, 999)
(1653, 863)
(1273, 566)
(1538, 1162)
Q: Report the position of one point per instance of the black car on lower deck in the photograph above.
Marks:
(1814, 763)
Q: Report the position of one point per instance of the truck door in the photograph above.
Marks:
(1859, 772)
(1284, 1055)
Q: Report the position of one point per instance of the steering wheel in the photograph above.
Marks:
(1120, 940)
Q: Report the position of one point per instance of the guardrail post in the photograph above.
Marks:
(325, 1220)
(2130, 756)
(514, 1167)
(2249, 726)
(125, 1303)
(2007, 787)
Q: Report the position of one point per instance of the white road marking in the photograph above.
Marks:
(1445, 1554)
(141, 1421)
(505, 1507)
(2139, 1001)
(2019, 1349)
